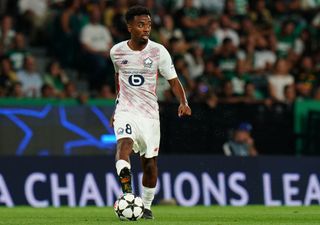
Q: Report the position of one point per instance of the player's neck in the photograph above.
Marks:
(135, 46)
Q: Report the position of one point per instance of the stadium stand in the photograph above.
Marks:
(230, 55)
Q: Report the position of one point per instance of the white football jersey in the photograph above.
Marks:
(138, 72)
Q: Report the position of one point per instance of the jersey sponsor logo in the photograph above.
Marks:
(136, 80)
(124, 62)
(148, 62)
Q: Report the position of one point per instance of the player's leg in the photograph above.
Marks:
(124, 150)
(149, 181)
(149, 156)
(124, 129)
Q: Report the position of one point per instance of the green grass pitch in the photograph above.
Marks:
(165, 215)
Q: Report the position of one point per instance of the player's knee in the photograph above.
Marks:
(125, 143)
(124, 146)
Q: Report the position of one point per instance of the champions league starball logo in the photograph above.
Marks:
(148, 62)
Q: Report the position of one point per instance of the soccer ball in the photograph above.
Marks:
(129, 207)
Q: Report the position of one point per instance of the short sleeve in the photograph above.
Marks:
(166, 66)
(84, 38)
(116, 69)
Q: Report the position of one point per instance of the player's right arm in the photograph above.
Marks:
(116, 81)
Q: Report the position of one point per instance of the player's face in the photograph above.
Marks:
(140, 29)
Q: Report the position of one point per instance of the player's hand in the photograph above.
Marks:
(111, 120)
(184, 110)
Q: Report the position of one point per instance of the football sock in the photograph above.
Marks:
(147, 196)
(120, 164)
(124, 173)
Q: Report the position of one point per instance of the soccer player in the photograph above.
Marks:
(137, 62)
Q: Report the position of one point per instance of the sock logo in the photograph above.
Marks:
(124, 180)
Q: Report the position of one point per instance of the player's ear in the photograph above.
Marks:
(129, 27)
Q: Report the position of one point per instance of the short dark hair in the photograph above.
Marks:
(136, 11)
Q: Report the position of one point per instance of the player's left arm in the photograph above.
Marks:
(167, 70)
(176, 87)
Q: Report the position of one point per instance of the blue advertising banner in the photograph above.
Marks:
(189, 179)
(51, 127)
(56, 130)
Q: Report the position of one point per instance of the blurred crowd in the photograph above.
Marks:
(224, 51)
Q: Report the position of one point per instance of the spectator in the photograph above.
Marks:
(114, 19)
(157, 11)
(207, 40)
(252, 95)
(226, 58)
(263, 57)
(304, 44)
(227, 95)
(212, 75)
(261, 15)
(30, 78)
(305, 78)
(7, 34)
(169, 30)
(163, 90)
(226, 30)
(106, 92)
(16, 90)
(241, 7)
(247, 33)
(212, 100)
(47, 91)
(286, 38)
(184, 75)
(70, 91)
(7, 76)
(191, 20)
(83, 98)
(201, 93)
(214, 7)
(18, 52)
(67, 26)
(208, 24)
(289, 95)
(178, 47)
(309, 5)
(5, 7)
(241, 143)
(316, 59)
(280, 7)
(96, 42)
(316, 21)
(279, 79)
(316, 94)
(241, 77)
(3, 91)
(195, 62)
(34, 15)
(55, 77)
(230, 11)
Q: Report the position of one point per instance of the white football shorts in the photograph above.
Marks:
(144, 132)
